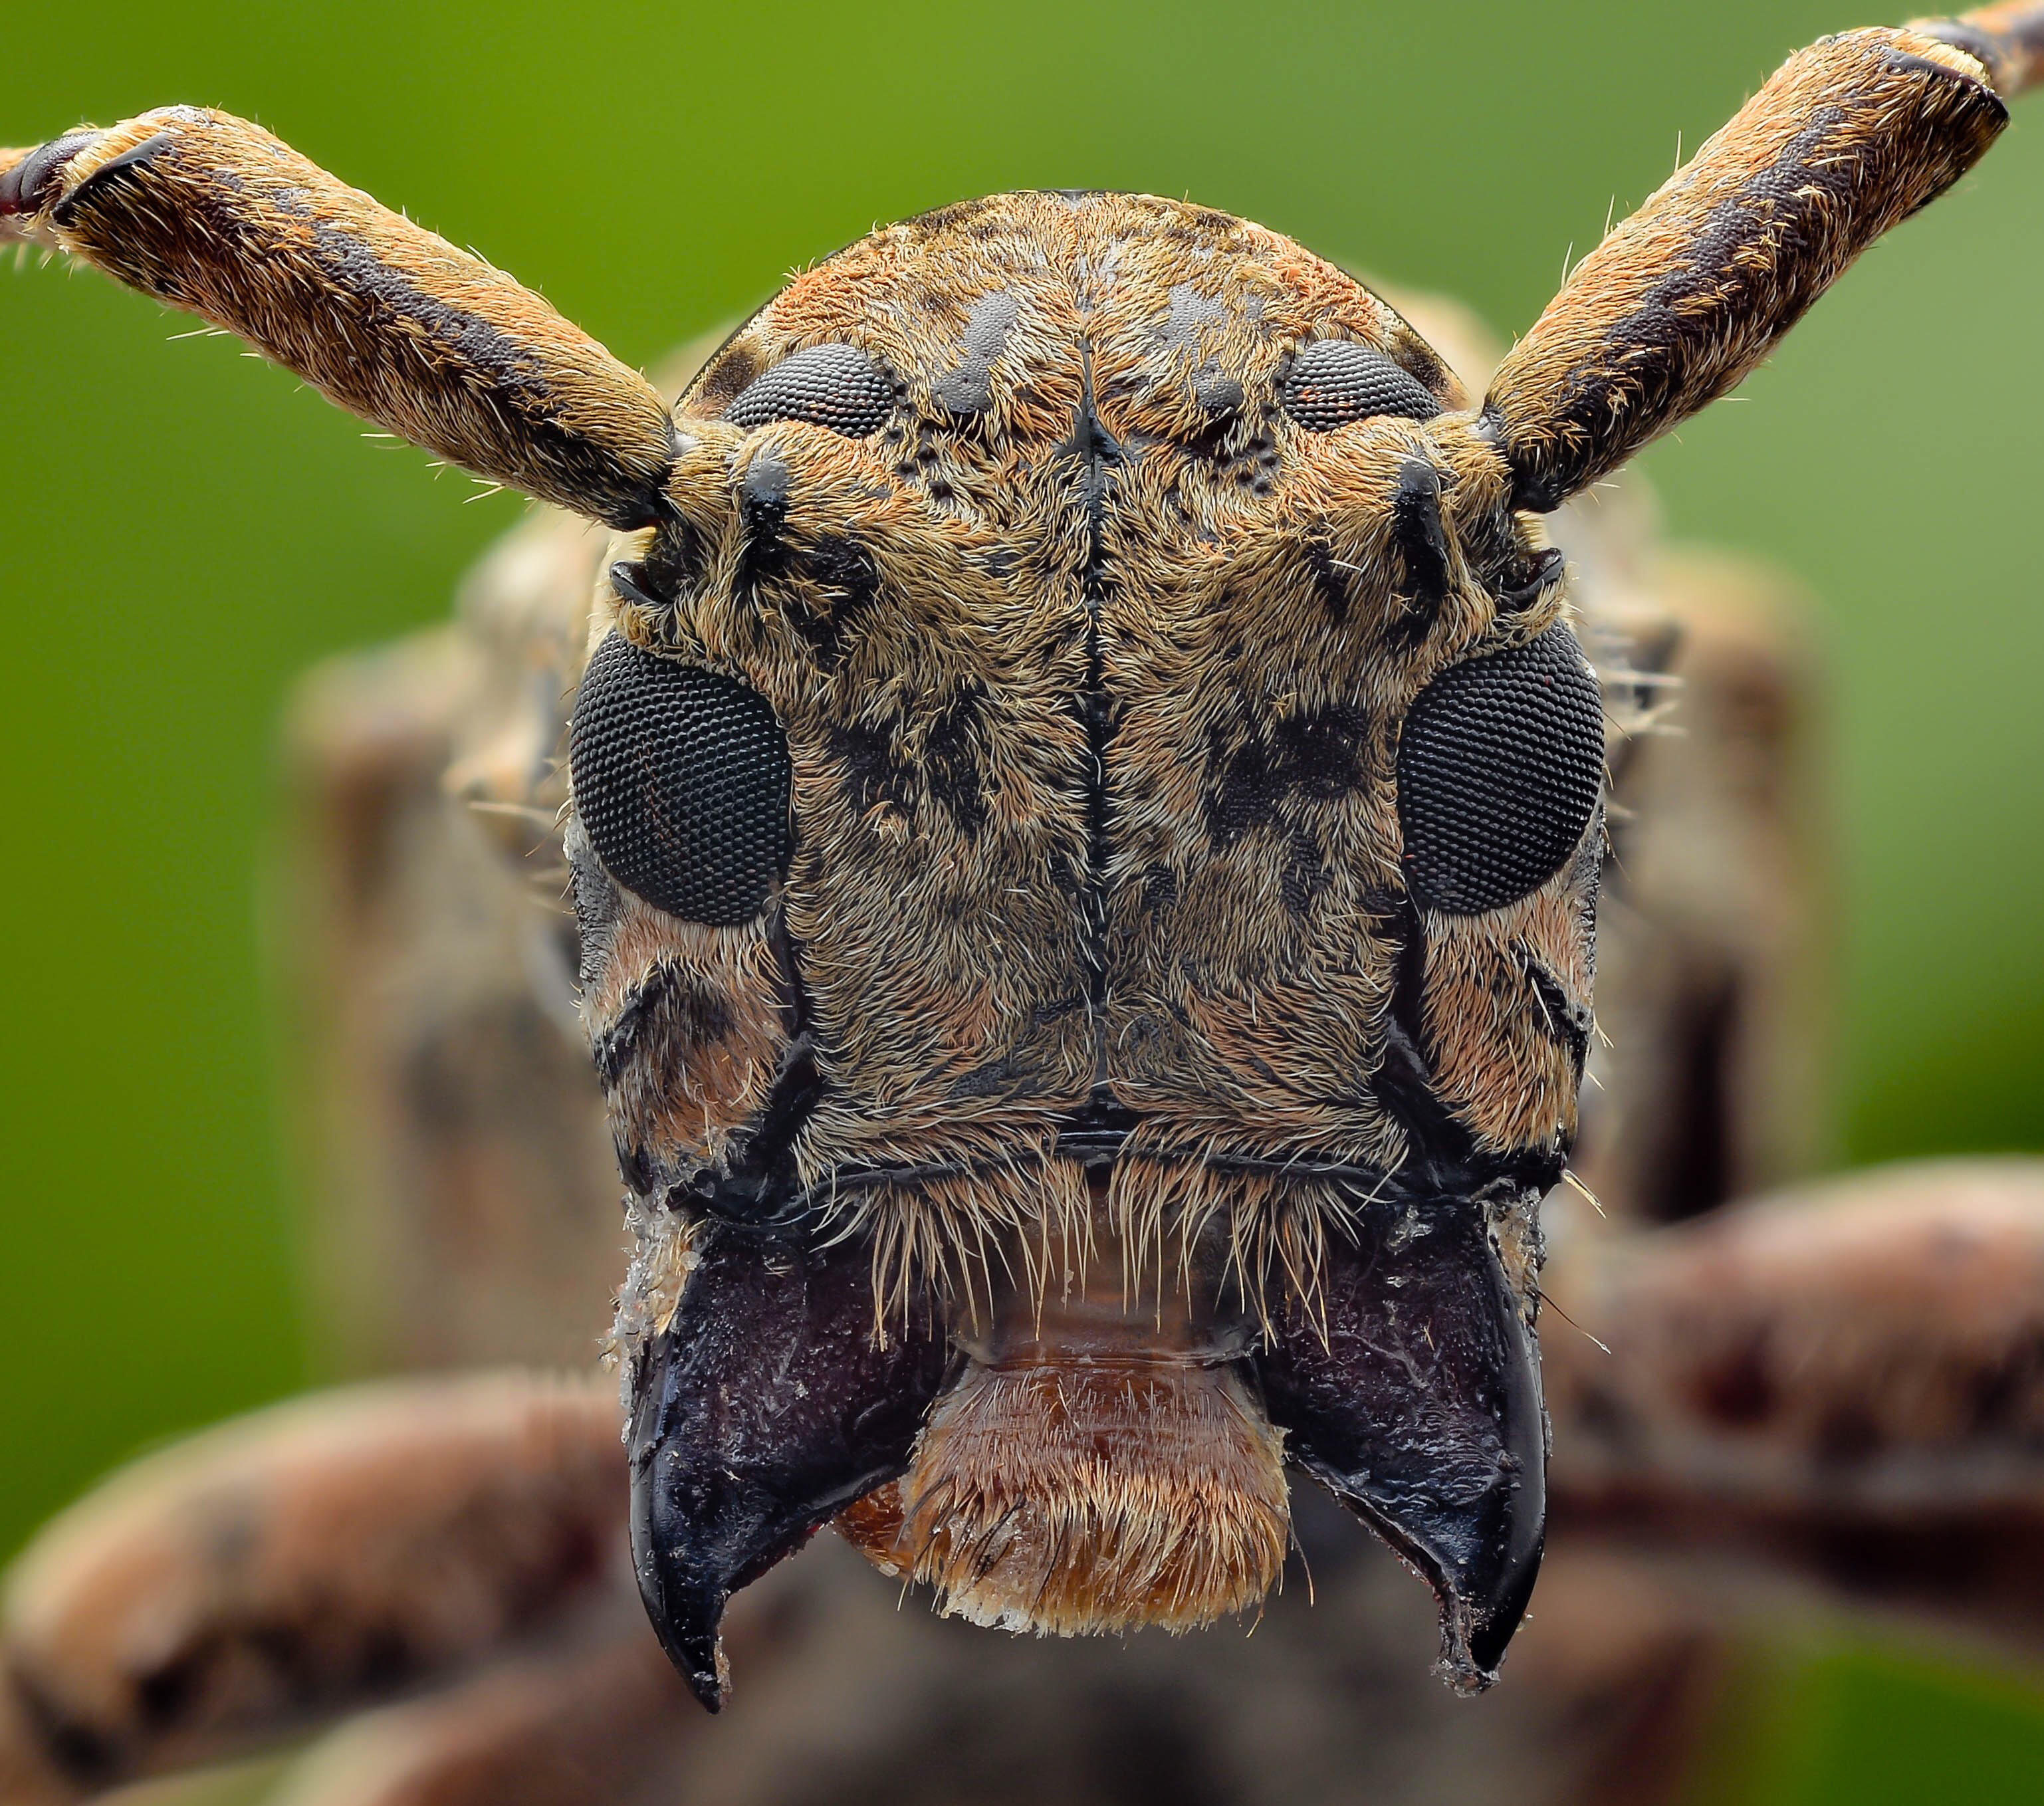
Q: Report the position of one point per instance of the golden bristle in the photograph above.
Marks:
(1072, 1499)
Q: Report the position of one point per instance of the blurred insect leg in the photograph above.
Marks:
(2009, 38)
(1707, 1072)
(1845, 1379)
(452, 1144)
(1681, 300)
(300, 1563)
(598, 1716)
(206, 212)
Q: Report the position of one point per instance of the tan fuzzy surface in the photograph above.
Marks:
(2007, 38)
(215, 215)
(1075, 1501)
(972, 950)
(1679, 302)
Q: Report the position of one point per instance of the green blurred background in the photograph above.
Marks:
(185, 530)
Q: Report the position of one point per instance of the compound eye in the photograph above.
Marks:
(1500, 764)
(1336, 383)
(681, 780)
(835, 386)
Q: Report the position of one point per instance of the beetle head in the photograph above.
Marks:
(1085, 826)
(1086, 835)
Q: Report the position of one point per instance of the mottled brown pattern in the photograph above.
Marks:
(197, 1598)
(692, 1033)
(2008, 38)
(207, 212)
(1212, 942)
(1724, 1380)
(1093, 663)
(1679, 302)
(1508, 1009)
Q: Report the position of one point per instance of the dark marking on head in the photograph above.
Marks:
(670, 1017)
(1528, 579)
(1562, 1020)
(1330, 581)
(635, 1165)
(1422, 540)
(824, 590)
(763, 506)
(1318, 757)
(881, 774)
(1444, 1159)
(756, 1186)
(1305, 875)
(969, 388)
(953, 757)
(1335, 382)
(875, 775)
(670, 570)
(673, 561)
(1251, 461)
(1004, 1077)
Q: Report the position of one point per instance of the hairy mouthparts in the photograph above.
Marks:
(1098, 1445)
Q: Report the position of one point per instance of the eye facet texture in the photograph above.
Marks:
(681, 779)
(835, 386)
(1335, 382)
(1500, 764)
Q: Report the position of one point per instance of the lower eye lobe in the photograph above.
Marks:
(1500, 765)
(682, 781)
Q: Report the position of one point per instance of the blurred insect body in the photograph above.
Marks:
(1084, 830)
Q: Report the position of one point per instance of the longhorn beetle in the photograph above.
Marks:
(1086, 828)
